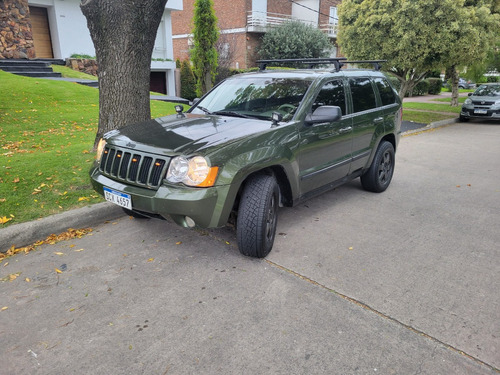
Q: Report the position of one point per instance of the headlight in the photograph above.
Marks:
(191, 172)
(100, 149)
(468, 101)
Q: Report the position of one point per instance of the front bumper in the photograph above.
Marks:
(480, 113)
(207, 207)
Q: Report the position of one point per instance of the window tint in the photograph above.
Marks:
(386, 92)
(332, 93)
(363, 96)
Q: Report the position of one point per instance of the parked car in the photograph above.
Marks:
(483, 103)
(255, 142)
(465, 84)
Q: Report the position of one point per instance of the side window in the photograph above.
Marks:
(386, 92)
(332, 93)
(363, 96)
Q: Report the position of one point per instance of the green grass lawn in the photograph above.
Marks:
(47, 130)
(432, 107)
(424, 117)
(70, 73)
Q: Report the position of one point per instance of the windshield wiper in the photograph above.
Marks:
(204, 110)
(231, 113)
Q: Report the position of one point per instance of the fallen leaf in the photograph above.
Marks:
(16, 180)
(58, 270)
(178, 243)
(151, 259)
(27, 279)
(78, 250)
(4, 219)
(351, 248)
(4, 308)
(58, 253)
(5, 265)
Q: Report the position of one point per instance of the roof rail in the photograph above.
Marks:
(338, 62)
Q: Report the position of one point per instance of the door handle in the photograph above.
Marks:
(378, 120)
(345, 130)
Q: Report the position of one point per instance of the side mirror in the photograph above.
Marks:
(325, 113)
(195, 100)
(469, 94)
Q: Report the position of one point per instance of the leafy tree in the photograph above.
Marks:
(124, 34)
(294, 39)
(188, 81)
(204, 53)
(414, 36)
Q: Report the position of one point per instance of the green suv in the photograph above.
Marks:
(255, 142)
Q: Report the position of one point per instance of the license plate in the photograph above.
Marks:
(481, 111)
(119, 198)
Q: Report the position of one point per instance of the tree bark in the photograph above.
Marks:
(124, 34)
(453, 74)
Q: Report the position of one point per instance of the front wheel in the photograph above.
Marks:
(258, 216)
(378, 177)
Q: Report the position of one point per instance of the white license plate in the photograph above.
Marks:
(481, 111)
(119, 198)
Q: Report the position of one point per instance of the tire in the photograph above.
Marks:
(463, 118)
(258, 216)
(378, 177)
(134, 214)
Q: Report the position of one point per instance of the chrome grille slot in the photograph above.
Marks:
(133, 167)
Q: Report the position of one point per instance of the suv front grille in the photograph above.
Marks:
(133, 167)
(483, 103)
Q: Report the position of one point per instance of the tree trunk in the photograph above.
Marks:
(454, 85)
(124, 34)
(406, 86)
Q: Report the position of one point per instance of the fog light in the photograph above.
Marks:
(190, 222)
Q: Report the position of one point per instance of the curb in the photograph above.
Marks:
(432, 125)
(28, 233)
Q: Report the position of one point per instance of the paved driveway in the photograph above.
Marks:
(358, 283)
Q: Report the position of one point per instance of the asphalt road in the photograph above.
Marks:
(403, 282)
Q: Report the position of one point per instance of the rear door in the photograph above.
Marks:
(368, 120)
(325, 148)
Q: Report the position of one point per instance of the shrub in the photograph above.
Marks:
(188, 81)
(435, 85)
(421, 88)
(492, 79)
(294, 39)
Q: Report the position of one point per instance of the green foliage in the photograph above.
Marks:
(294, 39)
(204, 53)
(416, 36)
(82, 56)
(188, 81)
(421, 88)
(435, 85)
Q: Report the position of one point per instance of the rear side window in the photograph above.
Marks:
(386, 92)
(363, 96)
(332, 93)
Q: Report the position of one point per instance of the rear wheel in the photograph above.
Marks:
(258, 216)
(378, 177)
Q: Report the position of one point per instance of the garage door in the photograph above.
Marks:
(41, 32)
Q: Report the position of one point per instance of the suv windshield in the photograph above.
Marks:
(254, 97)
(488, 90)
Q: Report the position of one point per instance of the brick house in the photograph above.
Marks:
(57, 29)
(242, 24)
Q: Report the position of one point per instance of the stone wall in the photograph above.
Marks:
(16, 38)
(88, 66)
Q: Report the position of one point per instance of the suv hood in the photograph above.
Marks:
(185, 134)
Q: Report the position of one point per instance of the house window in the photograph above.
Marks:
(334, 19)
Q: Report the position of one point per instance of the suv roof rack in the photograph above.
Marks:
(338, 62)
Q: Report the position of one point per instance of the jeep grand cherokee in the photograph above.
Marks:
(255, 142)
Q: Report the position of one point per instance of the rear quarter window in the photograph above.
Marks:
(387, 94)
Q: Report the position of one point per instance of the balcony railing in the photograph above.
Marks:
(261, 22)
